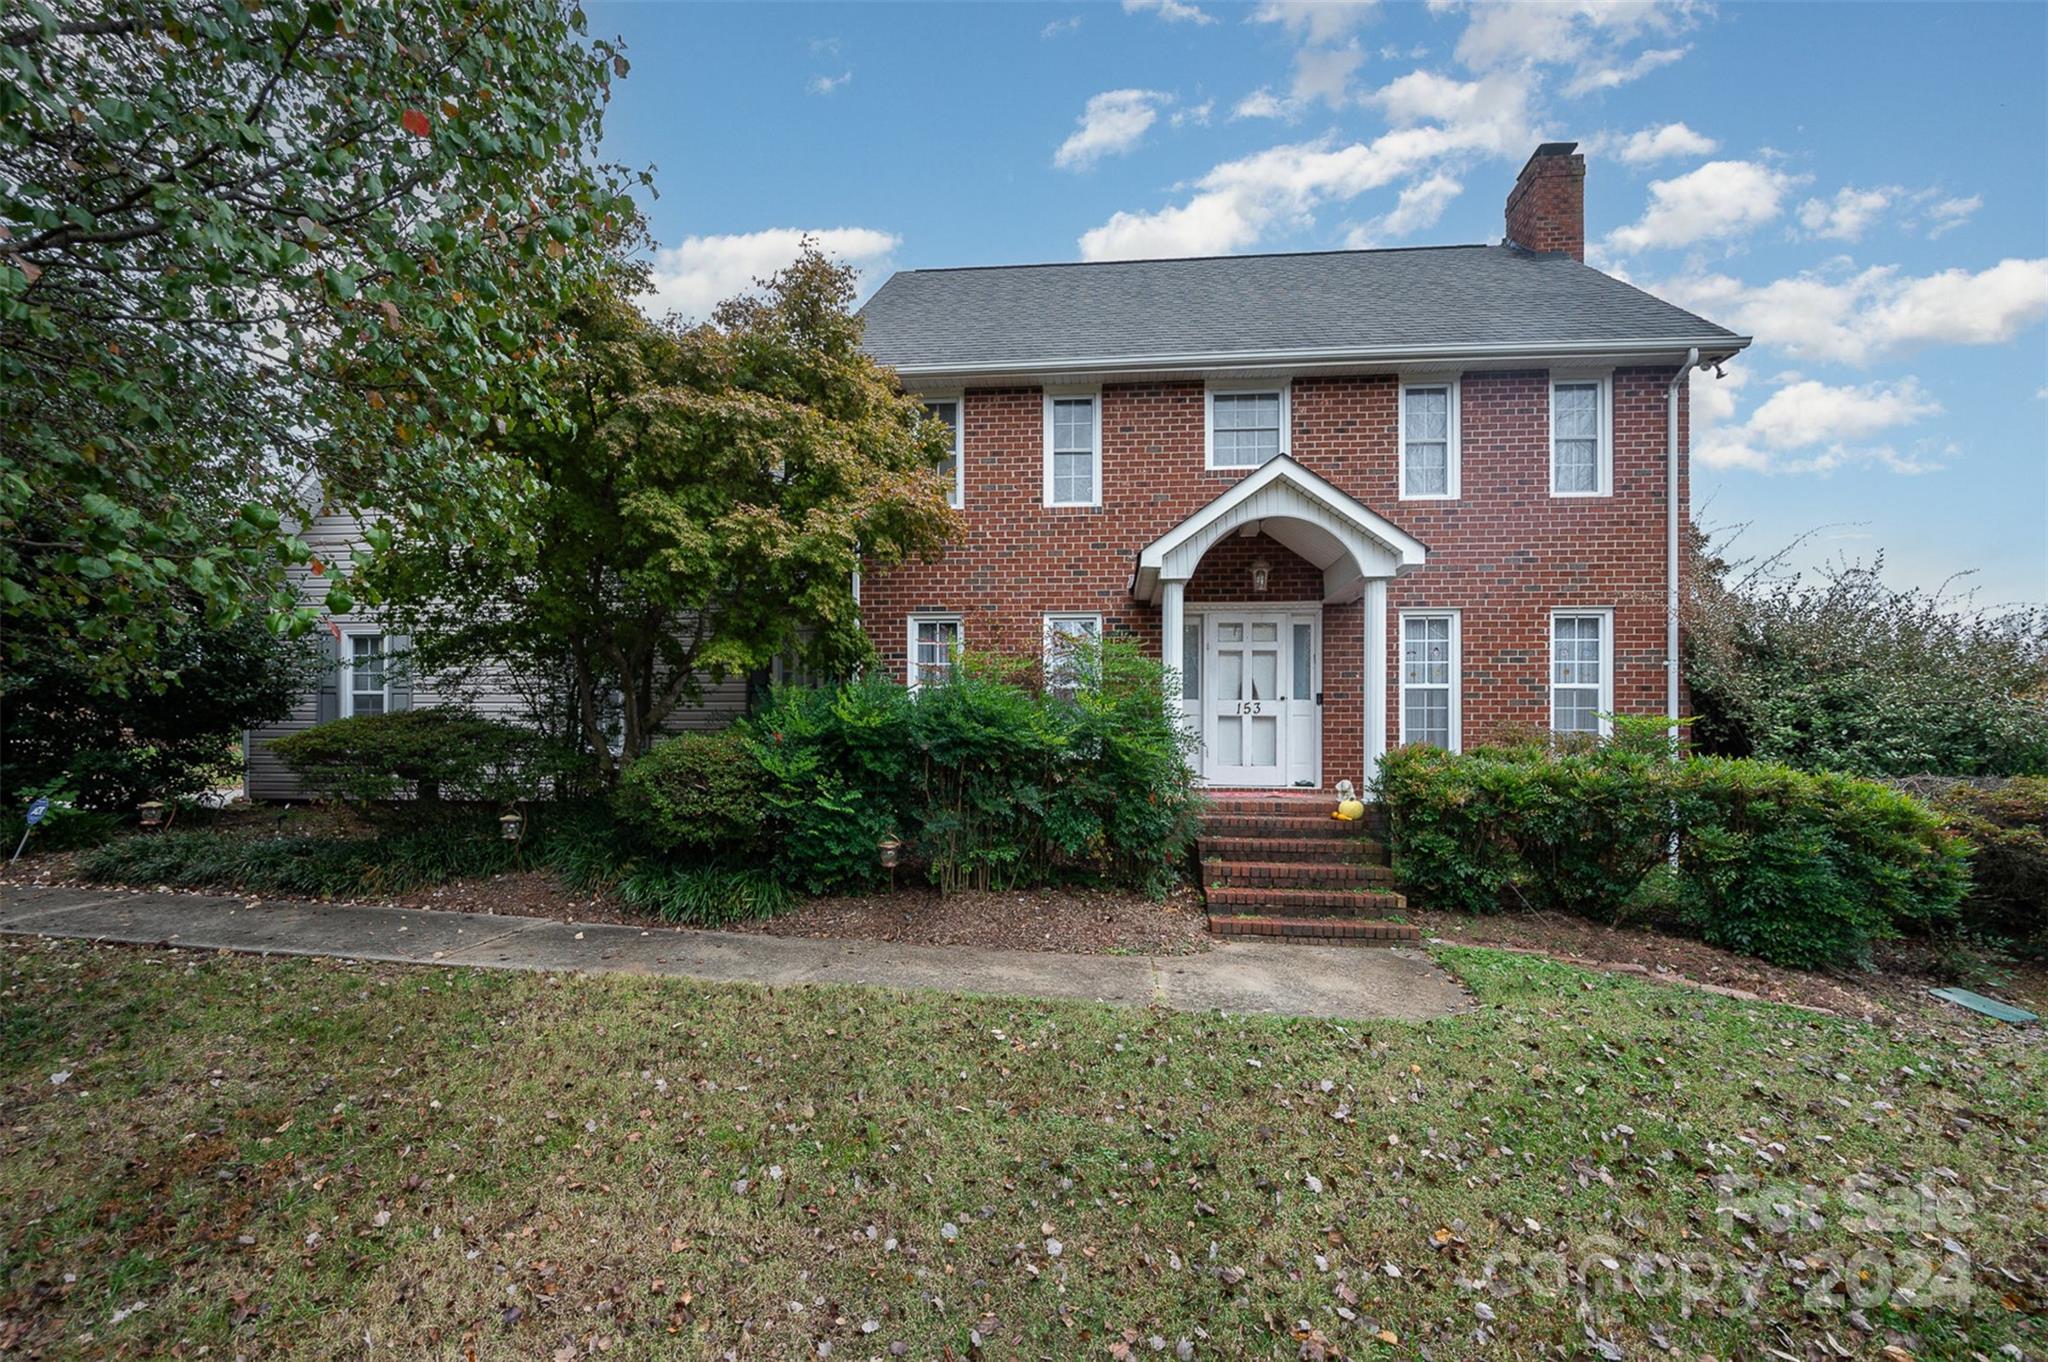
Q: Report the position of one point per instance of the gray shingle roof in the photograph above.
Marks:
(1383, 301)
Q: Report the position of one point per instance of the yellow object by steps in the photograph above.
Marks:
(1349, 807)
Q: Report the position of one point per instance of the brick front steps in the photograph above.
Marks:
(1322, 931)
(1277, 865)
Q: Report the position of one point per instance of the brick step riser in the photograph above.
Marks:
(1320, 850)
(1319, 808)
(1293, 875)
(1273, 901)
(1258, 825)
(1314, 931)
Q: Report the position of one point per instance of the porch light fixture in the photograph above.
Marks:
(1262, 573)
(511, 825)
(889, 851)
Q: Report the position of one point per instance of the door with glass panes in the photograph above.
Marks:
(1260, 699)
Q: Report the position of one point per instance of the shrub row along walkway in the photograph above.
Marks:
(1291, 981)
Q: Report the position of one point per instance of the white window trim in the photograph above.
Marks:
(347, 707)
(1457, 715)
(1603, 463)
(958, 498)
(1605, 706)
(1284, 387)
(1045, 419)
(959, 624)
(1452, 455)
(1065, 616)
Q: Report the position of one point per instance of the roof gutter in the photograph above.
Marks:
(1244, 360)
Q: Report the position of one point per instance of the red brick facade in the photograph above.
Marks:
(1505, 553)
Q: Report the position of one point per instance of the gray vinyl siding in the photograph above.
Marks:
(332, 538)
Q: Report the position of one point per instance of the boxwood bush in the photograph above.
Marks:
(989, 779)
(422, 755)
(697, 792)
(1795, 867)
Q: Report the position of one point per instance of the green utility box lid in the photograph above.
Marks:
(1990, 1007)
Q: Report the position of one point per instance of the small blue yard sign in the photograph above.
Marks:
(35, 815)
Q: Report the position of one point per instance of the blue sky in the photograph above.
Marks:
(1863, 188)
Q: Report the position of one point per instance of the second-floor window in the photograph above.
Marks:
(1247, 428)
(1581, 463)
(947, 409)
(1073, 451)
(1429, 440)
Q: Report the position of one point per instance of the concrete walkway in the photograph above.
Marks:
(1288, 980)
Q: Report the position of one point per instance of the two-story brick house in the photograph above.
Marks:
(1362, 497)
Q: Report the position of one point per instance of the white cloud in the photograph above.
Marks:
(1421, 204)
(1173, 11)
(699, 272)
(1853, 317)
(1237, 202)
(1719, 199)
(1263, 103)
(1317, 21)
(1848, 214)
(1325, 74)
(1060, 27)
(1113, 123)
(1611, 75)
(825, 85)
(1647, 146)
(1949, 214)
(1195, 115)
(1240, 201)
(1807, 426)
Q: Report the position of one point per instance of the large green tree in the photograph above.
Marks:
(261, 258)
(702, 510)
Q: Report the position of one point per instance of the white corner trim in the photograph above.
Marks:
(1226, 387)
(1454, 454)
(1604, 462)
(1052, 395)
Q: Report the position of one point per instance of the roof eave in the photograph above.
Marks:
(1239, 362)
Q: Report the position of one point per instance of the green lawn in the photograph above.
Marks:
(307, 1159)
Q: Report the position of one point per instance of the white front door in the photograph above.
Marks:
(1260, 723)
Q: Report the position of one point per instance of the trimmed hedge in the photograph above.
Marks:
(422, 754)
(696, 792)
(988, 779)
(1795, 867)
(2007, 823)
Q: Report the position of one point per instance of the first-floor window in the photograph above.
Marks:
(1066, 637)
(369, 679)
(1581, 670)
(934, 643)
(1429, 679)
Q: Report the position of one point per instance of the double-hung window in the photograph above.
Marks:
(369, 676)
(1073, 450)
(1429, 678)
(1581, 436)
(1067, 637)
(1429, 440)
(934, 645)
(951, 468)
(1247, 427)
(1581, 670)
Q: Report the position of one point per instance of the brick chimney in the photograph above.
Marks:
(1547, 207)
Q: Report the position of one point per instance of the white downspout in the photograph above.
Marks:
(1692, 359)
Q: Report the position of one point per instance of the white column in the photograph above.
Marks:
(1170, 616)
(1375, 674)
